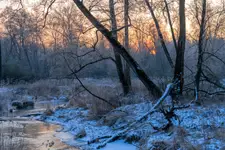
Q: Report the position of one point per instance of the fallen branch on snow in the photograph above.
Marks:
(144, 117)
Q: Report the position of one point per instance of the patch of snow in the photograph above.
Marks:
(68, 138)
(195, 120)
(73, 121)
(119, 145)
(223, 81)
(4, 89)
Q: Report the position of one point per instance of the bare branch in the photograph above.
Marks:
(47, 12)
(81, 83)
(213, 55)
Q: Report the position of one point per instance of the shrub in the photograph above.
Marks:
(16, 72)
(42, 88)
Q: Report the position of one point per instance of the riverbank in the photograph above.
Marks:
(87, 122)
(75, 122)
(199, 128)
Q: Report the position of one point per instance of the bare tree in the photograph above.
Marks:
(179, 65)
(151, 86)
(200, 48)
(126, 42)
(160, 34)
(0, 58)
(119, 65)
(180, 47)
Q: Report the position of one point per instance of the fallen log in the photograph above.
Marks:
(144, 117)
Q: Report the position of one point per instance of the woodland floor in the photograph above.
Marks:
(83, 119)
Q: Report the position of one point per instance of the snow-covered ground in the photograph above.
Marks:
(119, 145)
(200, 128)
(4, 89)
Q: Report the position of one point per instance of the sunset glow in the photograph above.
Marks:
(153, 52)
(144, 36)
(112, 74)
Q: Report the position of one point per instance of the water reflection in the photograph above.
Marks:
(29, 135)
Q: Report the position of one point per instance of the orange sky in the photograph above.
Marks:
(147, 41)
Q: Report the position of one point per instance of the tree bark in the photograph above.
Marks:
(119, 65)
(200, 49)
(26, 53)
(150, 85)
(1, 74)
(160, 34)
(126, 42)
(179, 66)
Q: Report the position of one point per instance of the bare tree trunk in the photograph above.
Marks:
(126, 42)
(1, 60)
(26, 54)
(151, 86)
(200, 49)
(119, 65)
(179, 66)
(160, 34)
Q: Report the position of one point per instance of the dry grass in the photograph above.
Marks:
(220, 134)
(108, 89)
(48, 111)
(98, 108)
(5, 101)
(178, 140)
(43, 88)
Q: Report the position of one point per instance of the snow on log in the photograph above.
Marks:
(153, 109)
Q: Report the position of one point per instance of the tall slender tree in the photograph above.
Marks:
(179, 65)
(150, 85)
(160, 34)
(0, 59)
(119, 65)
(126, 42)
(200, 48)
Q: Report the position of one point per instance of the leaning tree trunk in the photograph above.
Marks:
(200, 49)
(126, 42)
(151, 86)
(179, 66)
(160, 34)
(119, 65)
(171, 25)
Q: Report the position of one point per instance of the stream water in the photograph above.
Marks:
(19, 134)
(18, 131)
(23, 133)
